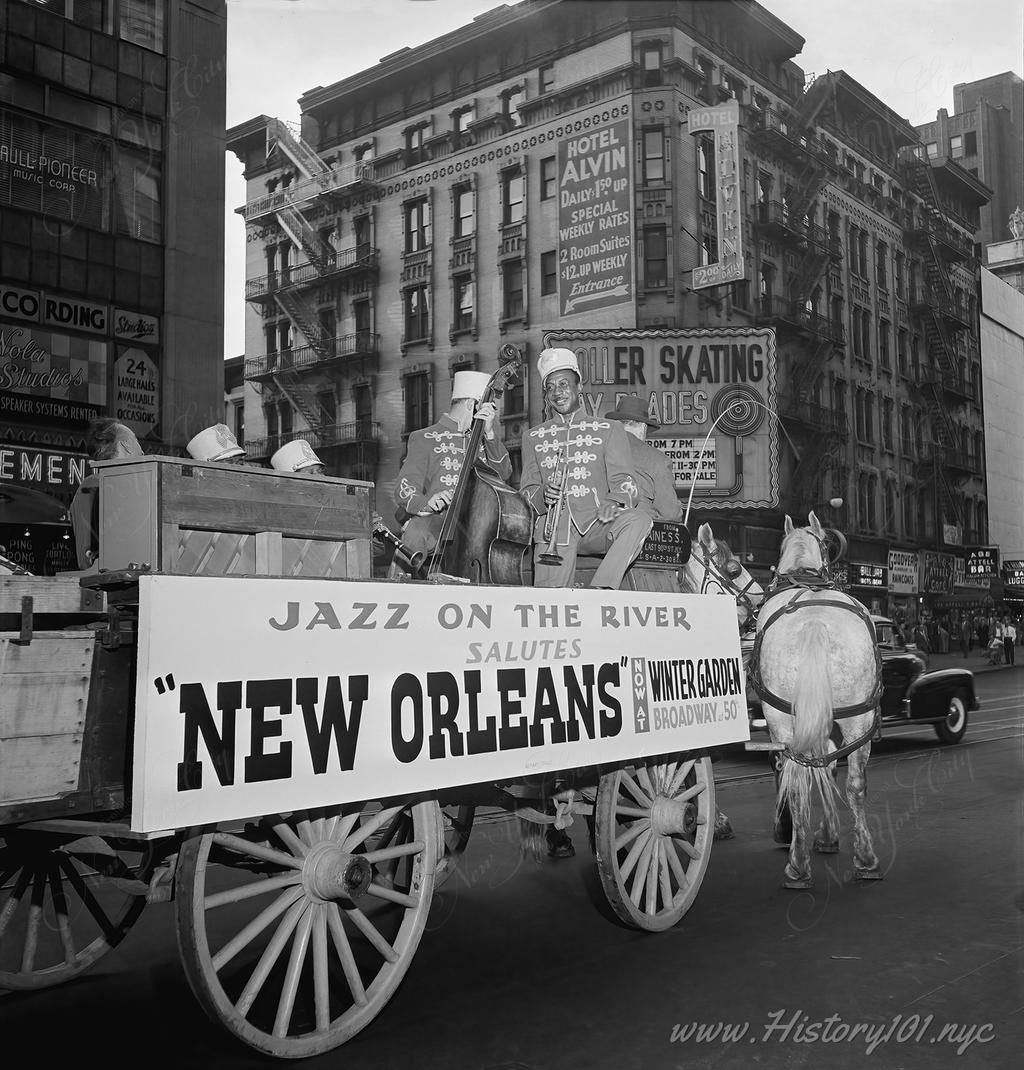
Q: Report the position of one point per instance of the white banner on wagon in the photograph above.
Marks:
(261, 695)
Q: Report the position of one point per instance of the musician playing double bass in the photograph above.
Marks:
(435, 456)
(579, 466)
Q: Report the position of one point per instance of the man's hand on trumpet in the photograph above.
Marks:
(553, 490)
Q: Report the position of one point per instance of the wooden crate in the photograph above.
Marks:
(188, 518)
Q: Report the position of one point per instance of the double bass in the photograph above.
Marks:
(487, 528)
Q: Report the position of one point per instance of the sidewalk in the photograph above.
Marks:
(975, 661)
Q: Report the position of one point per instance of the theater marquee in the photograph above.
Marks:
(712, 392)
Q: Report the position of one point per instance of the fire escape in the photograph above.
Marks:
(791, 136)
(935, 304)
(293, 290)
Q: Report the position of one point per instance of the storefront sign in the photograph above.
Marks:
(134, 327)
(981, 563)
(902, 572)
(866, 574)
(525, 681)
(724, 121)
(46, 364)
(595, 219)
(712, 392)
(43, 549)
(34, 409)
(136, 390)
(54, 472)
(19, 304)
(952, 534)
(936, 572)
(53, 310)
(1013, 573)
(961, 579)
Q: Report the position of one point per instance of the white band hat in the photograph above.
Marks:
(215, 443)
(294, 456)
(470, 385)
(556, 360)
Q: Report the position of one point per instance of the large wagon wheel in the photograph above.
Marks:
(654, 826)
(65, 901)
(295, 932)
(457, 825)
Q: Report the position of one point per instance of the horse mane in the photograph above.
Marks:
(800, 549)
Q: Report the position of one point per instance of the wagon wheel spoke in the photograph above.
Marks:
(397, 832)
(290, 839)
(640, 876)
(60, 907)
(345, 956)
(338, 827)
(667, 895)
(14, 899)
(633, 788)
(663, 776)
(652, 877)
(680, 776)
(242, 846)
(300, 944)
(645, 782)
(307, 831)
(392, 896)
(690, 793)
(686, 846)
(35, 913)
(251, 891)
(624, 839)
(88, 899)
(676, 866)
(635, 852)
(632, 811)
(371, 826)
(321, 978)
(401, 850)
(255, 927)
(271, 953)
(367, 928)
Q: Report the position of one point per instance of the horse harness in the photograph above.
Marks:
(815, 580)
(721, 576)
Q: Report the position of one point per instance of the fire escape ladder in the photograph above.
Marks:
(281, 136)
(807, 186)
(292, 384)
(305, 319)
(808, 273)
(301, 232)
(812, 100)
(940, 345)
(810, 363)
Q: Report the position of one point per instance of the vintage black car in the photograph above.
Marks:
(911, 693)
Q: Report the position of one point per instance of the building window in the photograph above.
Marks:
(854, 250)
(284, 417)
(708, 249)
(362, 398)
(890, 507)
(364, 153)
(932, 149)
(513, 188)
(862, 253)
(549, 272)
(881, 265)
(416, 313)
(270, 419)
(417, 225)
(764, 292)
(417, 401)
(462, 288)
(138, 197)
(361, 234)
(464, 210)
(361, 318)
(462, 118)
(706, 170)
(548, 178)
(897, 275)
(328, 407)
(141, 22)
(546, 78)
(510, 101)
(956, 146)
(741, 294)
(901, 351)
(887, 419)
(650, 64)
(884, 356)
(655, 258)
(971, 143)
(414, 139)
(654, 154)
(512, 289)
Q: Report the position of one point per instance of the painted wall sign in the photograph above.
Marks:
(34, 409)
(936, 571)
(136, 390)
(595, 219)
(712, 391)
(47, 364)
(981, 563)
(524, 681)
(903, 571)
(135, 327)
(723, 120)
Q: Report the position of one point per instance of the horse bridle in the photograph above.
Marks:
(727, 581)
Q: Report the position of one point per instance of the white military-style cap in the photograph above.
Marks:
(470, 385)
(215, 443)
(556, 360)
(294, 456)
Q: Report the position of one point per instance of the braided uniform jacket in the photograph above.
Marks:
(598, 466)
(434, 460)
(658, 498)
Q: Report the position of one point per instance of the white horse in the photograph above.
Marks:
(713, 568)
(817, 669)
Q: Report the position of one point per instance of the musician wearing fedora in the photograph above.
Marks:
(577, 469)
(434, 460)
(657, 498)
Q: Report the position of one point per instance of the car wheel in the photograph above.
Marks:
(952, 729)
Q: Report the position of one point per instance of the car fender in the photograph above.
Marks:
(929, 694)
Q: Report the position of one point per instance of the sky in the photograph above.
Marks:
(908, 53)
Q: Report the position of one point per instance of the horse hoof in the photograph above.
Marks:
(823, 848)
(798, 885)
(867, 874)
(723, 828)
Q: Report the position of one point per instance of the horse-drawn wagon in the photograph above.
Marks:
(230, 713)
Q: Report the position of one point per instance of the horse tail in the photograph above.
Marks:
(812, 697)
(812, 724)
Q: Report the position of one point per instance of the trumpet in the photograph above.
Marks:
(551, 556)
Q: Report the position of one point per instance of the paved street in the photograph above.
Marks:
(523, 965)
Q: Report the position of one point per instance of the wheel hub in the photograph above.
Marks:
(672, 818)
(329, 873)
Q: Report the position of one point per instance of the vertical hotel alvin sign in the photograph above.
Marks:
(724, 121)
(595, 219)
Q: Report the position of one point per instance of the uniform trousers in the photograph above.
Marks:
(618, 541)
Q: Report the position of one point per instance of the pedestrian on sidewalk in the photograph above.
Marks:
(965, 635)
(1009, 638)
(943, 638)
